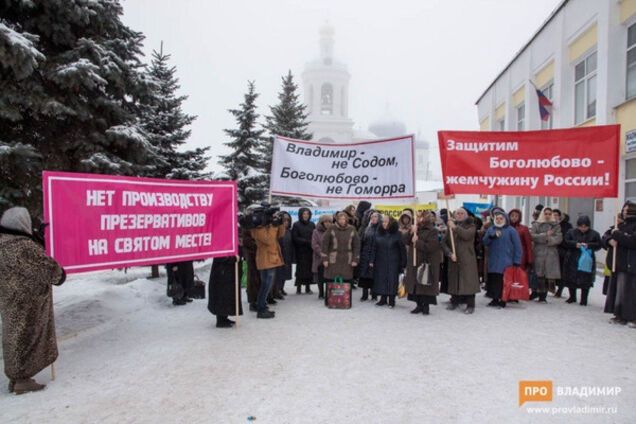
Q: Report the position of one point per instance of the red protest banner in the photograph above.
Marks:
(576, 162)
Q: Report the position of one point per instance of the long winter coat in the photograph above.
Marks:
(546, 253)
(367, 243)
(340, 248)
(503, 251)
(222, 289)
(302, 232)
(26, 306)
(428, 249)
(626, 250)
(463, 277)
(570, 274)
(389, 260)
(527, 257)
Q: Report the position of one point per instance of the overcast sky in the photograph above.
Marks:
(428, 60)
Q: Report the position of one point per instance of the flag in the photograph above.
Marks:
(545, 105)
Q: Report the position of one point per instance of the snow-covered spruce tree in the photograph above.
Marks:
(244, 164)
(166, 125)
(70, 90)
(288, 119)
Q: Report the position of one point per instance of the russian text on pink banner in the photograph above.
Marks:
(105, 222)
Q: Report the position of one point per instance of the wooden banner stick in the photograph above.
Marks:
(449, 228)
(53, 371)
(618, 205)
(414, 233)
(237, 289)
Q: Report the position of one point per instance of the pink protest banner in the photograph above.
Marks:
(105, 222)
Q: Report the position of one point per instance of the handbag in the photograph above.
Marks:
(424, 275)
(338, 294)
(198, 289)
(515, 284)
(401, 291)
(586, 262)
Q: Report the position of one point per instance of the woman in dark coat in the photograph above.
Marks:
(367, 240)
(429, 250)
(581, 236)
(222, 291)
(388, 260)
(284, 273)
(302, 231)
(609, 282)
(624, 240)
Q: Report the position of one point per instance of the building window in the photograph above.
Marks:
(547, 91)
(631, 61)
(521, 116)
(630, 179)
(326, 99)
(501, 124)
(585, 89)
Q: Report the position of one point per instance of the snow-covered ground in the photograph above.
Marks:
(128, 356)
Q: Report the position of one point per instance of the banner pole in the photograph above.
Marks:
(53, 371)
(414, 232)
(237, 290)
(450, 230)
(618, 205)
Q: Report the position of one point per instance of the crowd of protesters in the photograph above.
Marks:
(418, 256)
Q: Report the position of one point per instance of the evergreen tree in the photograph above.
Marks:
(70, 94)
(288, 119)
(244, 163)
(166, 125)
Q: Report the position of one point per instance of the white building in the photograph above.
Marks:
(584, 59)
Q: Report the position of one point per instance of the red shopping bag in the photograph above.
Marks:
(515, 284)
(338, 295)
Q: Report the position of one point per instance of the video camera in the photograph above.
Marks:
(261, 216)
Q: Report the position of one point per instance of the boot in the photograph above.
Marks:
(534, 295)
(572, 298)
(374, 297)
(223, 322)
(418, 309)
(391, 302)
(559, 291)
(298, 288)
(271, 301)
(178, 302)
(382, 301)
(283, 292)
(452, 306)
(425, 308)
(308, 289)
(493, 303)
(321, 290)
(365, 295)
(469, 310)
(584, 293)
(265, 314)
(11, 385)
(28, 385)
(543, 297)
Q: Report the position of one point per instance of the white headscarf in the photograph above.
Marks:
(17, 219)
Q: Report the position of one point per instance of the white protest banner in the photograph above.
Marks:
(379, 169)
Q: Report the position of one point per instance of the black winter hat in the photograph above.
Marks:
(583, 220)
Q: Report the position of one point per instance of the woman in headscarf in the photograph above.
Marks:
(26, 304)
(504, 251)
(576, 238)
(429, 251)
(546, 236)
(340, 249)
(463, 277)
(318, 269)
(367, 241)
(388, 260)
(302, 231)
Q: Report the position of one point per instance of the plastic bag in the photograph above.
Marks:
(586, 261)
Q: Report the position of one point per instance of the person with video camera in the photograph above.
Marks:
(266, 230)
